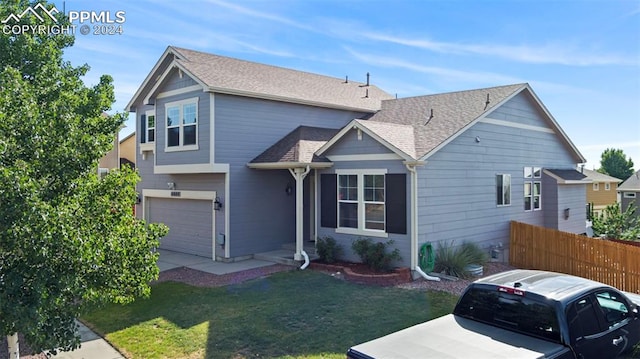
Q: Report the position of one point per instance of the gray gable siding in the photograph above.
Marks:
(184, 157)
(350, 145)
(261, 217)
(457, 199)
(521, 109)
(174, 81)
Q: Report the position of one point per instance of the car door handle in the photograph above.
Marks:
(617, 341)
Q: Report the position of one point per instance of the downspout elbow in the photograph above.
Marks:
(306, 261)
(425, 275)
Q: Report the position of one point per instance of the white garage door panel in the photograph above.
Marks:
(189, 221)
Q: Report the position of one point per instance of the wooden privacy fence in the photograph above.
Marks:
(612, 263)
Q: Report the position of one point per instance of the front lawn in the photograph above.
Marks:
(300, 314)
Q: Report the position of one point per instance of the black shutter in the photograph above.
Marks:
(143, 128)
(329, 201)
(396, 203)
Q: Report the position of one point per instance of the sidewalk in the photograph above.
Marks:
(93, 347)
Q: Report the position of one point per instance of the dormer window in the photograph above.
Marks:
(151, 126)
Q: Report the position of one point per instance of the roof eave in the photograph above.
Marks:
(288, 165)
(130, 107)
(264, 96)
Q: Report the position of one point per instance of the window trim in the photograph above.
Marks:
(596, 186)
(147, 128)
(361, 230)
(502, 202)
(530, 174)
(607, 186)
(181, 104)
(628, 194)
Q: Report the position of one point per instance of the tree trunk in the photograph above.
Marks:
(14, 350)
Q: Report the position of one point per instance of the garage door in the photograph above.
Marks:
(189, 221)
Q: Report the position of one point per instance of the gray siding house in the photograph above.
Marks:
(629, 193)
(239, 158)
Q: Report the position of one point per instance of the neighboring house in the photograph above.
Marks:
(602, 191)
(239, 158)
(128, 150)
(111, 159)
(629, 193)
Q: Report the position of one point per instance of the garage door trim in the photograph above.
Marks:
(199, 195)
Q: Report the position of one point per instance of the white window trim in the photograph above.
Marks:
(607, 186)
(510, 185)
(155, 121)
(180, 104)
(596, 186)
(629, 194)
(361, 231)
(536, 172)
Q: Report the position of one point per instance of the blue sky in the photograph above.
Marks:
(582, 58)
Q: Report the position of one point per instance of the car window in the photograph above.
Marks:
(583, 318)
(613, 306)
(510, 311)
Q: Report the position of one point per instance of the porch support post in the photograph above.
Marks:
(299, 173)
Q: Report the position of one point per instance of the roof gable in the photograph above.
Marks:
(596, 176)
(631, 184)
(238, 77)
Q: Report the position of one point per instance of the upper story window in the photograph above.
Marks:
(503, 189)
(151, 126)
(361, 201)
(607, 186)
(532, 188)
(182, 125)
(596, 186)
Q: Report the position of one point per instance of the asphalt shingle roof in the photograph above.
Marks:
(596, 176)
(567, 175)
(227, 74)
(451, 113)
(632, 183)
(299, 146)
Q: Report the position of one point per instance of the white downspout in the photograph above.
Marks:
(414, 223)
(299, 174)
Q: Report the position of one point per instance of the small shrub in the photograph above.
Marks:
(328, 249)
(453, 260)
(375, 255)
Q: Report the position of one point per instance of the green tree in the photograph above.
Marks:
(613, 162)
(616, 224)
(68, 241)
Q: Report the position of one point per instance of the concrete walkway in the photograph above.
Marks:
(95, 347)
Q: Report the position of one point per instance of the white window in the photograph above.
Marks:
(151, 126)
(503, 189)
(532, 188)
(629, 195)
(607, 186)
(361, 201)
(182, 125)
(596, 186)
(102, 172)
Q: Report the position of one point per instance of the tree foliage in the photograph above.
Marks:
(613, 162)
(68, 240)
(616, 224)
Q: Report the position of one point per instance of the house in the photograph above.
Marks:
(629, 192)
(239, 158)
(602, 191)
(111, 159)
(128, 150)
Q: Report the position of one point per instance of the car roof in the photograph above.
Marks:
(552, 285)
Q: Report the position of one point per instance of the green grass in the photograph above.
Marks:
(300, 314)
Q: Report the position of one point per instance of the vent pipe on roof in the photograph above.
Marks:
(430, 117)
(366, 93)
(346, 79)
(367, 79)
(486, 104)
